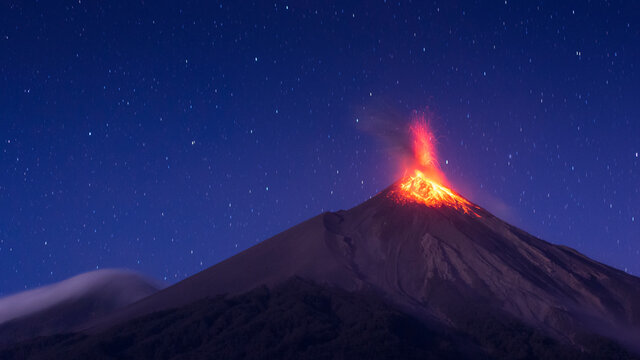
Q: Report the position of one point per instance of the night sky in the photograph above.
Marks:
(167, 137)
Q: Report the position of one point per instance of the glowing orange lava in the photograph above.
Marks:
(421, 189)
(425, 185)
(424, 148)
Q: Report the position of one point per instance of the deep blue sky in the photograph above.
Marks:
(168, 137)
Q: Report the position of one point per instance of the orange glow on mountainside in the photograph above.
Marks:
(425, 184)
(421, 189)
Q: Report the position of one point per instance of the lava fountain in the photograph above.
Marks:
(424, 183)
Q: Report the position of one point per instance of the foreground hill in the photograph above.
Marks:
(70, 305)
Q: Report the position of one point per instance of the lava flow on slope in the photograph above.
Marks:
(421, 189)
(425, 184)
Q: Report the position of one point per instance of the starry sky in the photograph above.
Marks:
(165, 137)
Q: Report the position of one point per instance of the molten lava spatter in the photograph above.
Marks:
(424, 147)
(421, 189)
(425, 185)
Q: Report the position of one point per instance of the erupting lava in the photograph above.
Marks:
(425, 185)
(421, 189)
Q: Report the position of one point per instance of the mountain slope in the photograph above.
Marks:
(299, 319)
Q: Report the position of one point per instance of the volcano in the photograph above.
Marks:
(452, 267)
(415, 271)
(442, 263)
